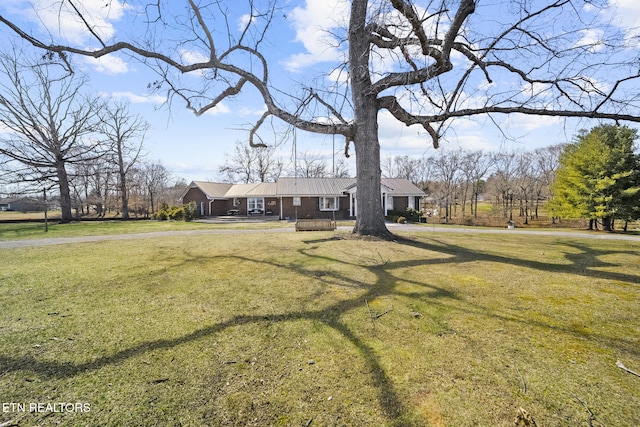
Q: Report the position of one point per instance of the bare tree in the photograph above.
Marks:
(310, 165)
(546, 162)
(389, 167)
(341, 169)
(125, 133)
(504, 177)
(252, 164)
(524, 182)
(447, 171)
(156, 180)
(399, 56)
(50, 124)
(477, 165)
(402, 167)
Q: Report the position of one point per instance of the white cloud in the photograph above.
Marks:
(627, 12)
(592, 39)
(108, 64)
(469, 142)
(61, 18)
(399, 138)
(4, 129)
(530, 123)
(244, 21)
(139, 99)
(537, 90)
(626, 15)
(191, 57)
(246, 111)
(315, 26)
(338, 75)
(221, 108)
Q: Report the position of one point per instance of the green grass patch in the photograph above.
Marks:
(320, 329)
(36, 230)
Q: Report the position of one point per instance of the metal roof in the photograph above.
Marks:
(300, 187)
(288, 187)
(401, 187)
(263, 189)
(241, 190)
(212, 190)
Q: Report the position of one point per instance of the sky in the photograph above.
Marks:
(194, 147)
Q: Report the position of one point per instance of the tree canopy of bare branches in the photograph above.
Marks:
(428, 63)
(125, 132)
(48, 123)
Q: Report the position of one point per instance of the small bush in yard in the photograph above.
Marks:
(176, 213)
(402, 220)
(189, 211)
(412, 215)
(161, 215)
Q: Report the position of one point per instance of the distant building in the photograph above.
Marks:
(297, 197)
(20, 204)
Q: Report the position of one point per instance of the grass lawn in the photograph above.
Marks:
(36, 230)
(315, 329)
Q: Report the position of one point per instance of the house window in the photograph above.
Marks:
(255, 204)
(328, 203)
(412, 202)
(389, 202)
(297, 201)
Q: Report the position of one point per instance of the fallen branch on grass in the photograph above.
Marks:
(624, 368)
(592, 417)
(382, 314)
(375, 315)
(524, 384)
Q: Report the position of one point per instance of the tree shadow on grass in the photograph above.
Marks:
(387, 277)
(584, 263)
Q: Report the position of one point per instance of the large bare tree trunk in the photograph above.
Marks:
(65, 193)
(124, 196)
(369, 217)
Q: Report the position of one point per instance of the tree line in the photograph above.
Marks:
(595, 177)
(88, 150)
(513, 180)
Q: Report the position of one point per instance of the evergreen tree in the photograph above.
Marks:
(598, 177)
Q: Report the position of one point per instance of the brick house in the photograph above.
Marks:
(293, 198)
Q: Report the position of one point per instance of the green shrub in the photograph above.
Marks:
(412, 215)
(161, 215)
(176, 213)
(189, 211)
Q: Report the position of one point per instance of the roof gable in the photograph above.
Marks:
(213, 190)
(401, 187)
